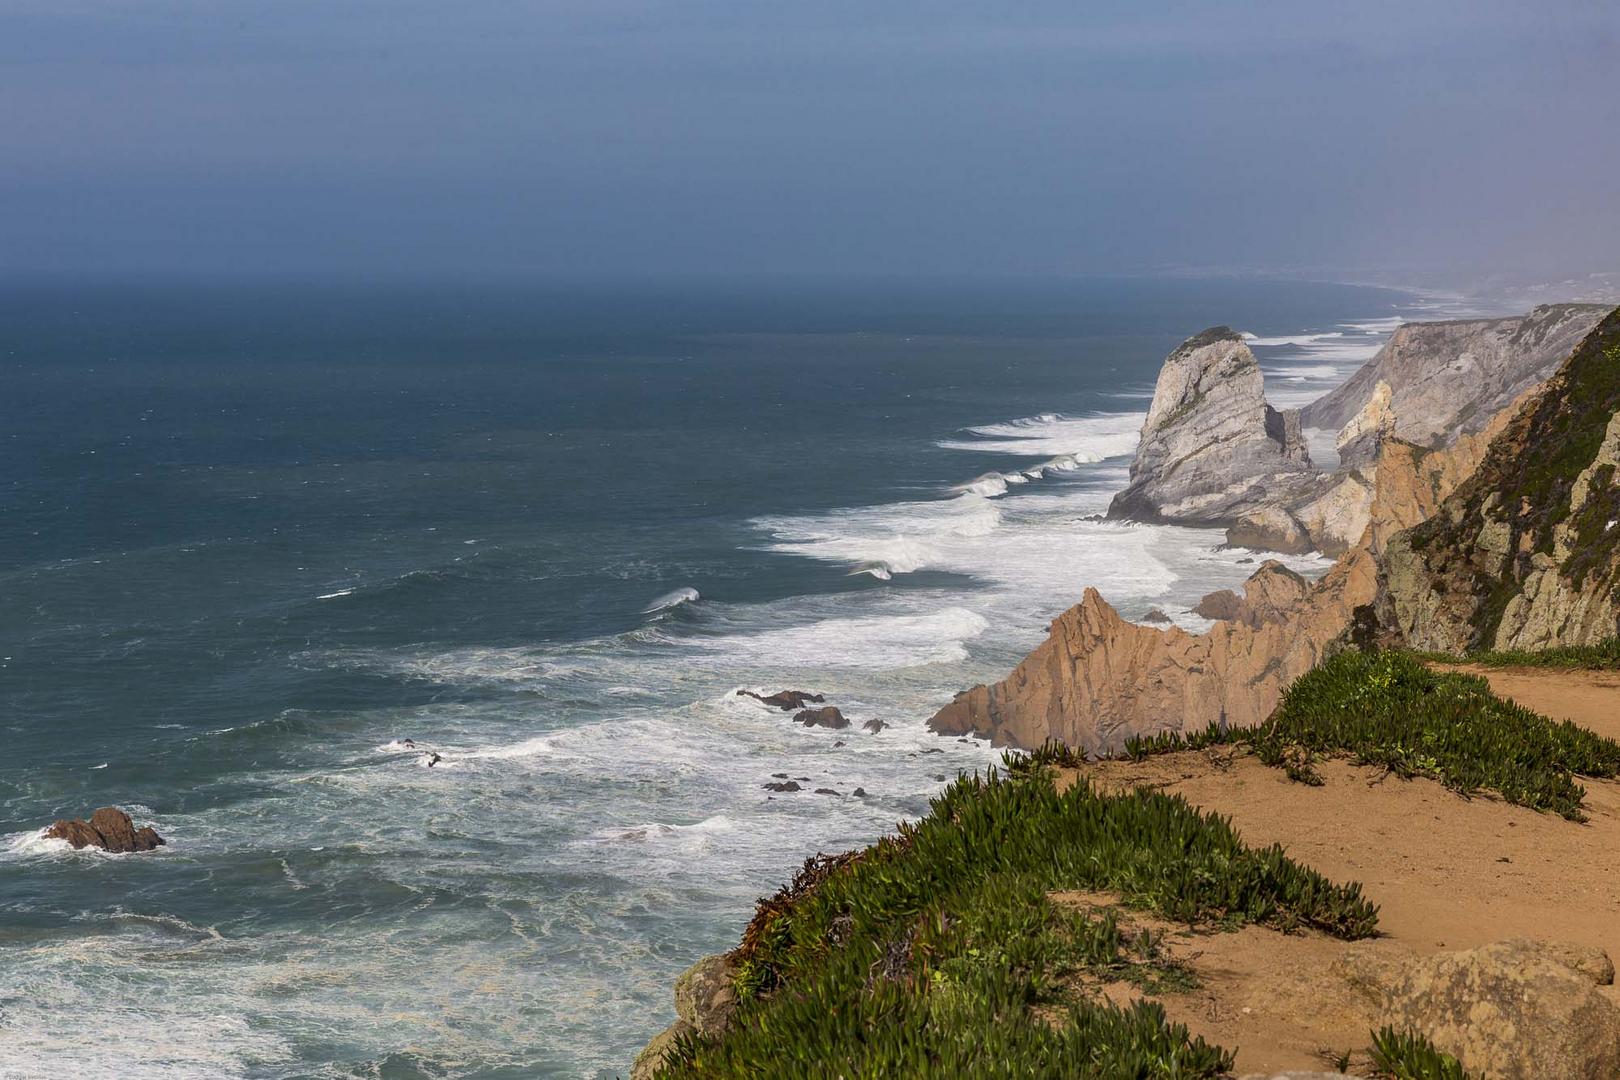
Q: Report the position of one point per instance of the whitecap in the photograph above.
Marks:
(535, 747)
(35, 844)
(1085, 438)
(672, 600)
(885, 642)
(989, 485)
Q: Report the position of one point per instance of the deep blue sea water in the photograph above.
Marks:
(253, 537)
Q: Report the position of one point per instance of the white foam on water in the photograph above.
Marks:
(1378, 326)
(672, 600)
(626, 767)
(539, 746)
(881, 641)
(690, 839)
(35, 844)
(519, 664)
(1093, 438)
(1305, 340)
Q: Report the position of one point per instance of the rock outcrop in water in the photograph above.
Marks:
(786, 700)
(1526, 553)
(1211, 448)
(827, 717)
(109, 829)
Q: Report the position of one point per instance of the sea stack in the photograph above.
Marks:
(1211, 447)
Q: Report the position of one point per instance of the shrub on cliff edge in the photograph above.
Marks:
(938, 951)
(1389, 709)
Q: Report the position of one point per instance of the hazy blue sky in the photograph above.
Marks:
(882, 136)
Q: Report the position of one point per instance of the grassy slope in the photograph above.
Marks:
(1389, 709)
(1604, 656)
(1523, 488)
(938, 952)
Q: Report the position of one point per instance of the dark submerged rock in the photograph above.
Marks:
(786, 700)
(827, 717)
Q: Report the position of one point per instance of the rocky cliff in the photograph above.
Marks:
(1431, 384)
(1526, 553)
(1450, 378)
(1508, 538)
(1098, 680)
(1211, 447)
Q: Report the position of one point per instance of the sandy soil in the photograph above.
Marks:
(1590, 698)
(1447, 873)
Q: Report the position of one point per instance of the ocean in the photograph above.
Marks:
(257, 536)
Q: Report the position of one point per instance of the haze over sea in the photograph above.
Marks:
(255, 537)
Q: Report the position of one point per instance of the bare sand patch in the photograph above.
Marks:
(1447, 872)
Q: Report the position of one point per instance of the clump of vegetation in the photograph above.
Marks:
(1407, 1055)
(1604, 656)
(940, 952)
(1523, 488)
(1389, 709)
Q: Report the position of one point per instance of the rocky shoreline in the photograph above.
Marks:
(1475, 504)
(1099, 680)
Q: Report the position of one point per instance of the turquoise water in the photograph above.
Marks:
(254, 538)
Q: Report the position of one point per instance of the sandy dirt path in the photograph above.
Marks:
(1447, 873)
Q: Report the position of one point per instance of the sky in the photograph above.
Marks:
(879, 137)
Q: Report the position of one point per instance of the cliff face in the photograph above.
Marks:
(1211, 447)
(1431, 384)
(1451, 378)
(1526, 553)
(1097, 680)
(1510, 537)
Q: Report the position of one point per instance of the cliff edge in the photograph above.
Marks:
(1450, 378)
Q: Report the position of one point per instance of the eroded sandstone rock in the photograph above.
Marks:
(1097, 680)
(705, 1002)
(651, 1058)
(1513, 1009)
(705, 997)
(1526, 553)
(1220, 604)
